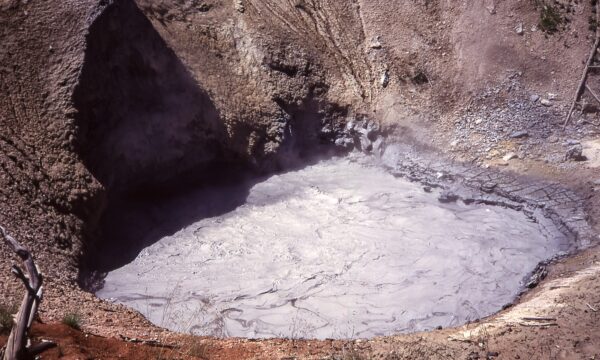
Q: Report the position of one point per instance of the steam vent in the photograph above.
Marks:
(299, 179)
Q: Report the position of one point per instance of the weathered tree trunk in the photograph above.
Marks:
(588, 65)
(16, 347)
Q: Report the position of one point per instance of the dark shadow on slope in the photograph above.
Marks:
(142, 118)
(136, 220)
(145, 127)
(154, 139)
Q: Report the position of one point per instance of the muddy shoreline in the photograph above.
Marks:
(492, 188)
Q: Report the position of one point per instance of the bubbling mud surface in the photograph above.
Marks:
(335, 250)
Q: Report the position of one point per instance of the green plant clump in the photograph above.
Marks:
(72, 320)
(550, 19)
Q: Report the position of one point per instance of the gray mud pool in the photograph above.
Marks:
(335, 250)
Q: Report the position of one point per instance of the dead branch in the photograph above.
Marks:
(586, 70)
(538, 325)
(536, 318)
(16, 347)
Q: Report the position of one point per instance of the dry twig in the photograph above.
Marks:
(535, 318)
(16, 346)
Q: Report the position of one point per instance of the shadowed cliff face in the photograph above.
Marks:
(142, 118)
(146, 127)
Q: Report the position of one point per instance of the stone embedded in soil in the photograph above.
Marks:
(448, 197)
(519, 29)
(575, 153)
(509, 156)
(519, 134)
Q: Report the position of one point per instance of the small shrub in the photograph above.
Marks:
(6, 318)
(72, 320)
(550, 19)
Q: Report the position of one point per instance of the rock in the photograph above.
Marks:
(385, 79)
(204, 7)
(572, 142)
(546, 102)
(326, 130)
(473, 356)
(534, 98)
(478, 121)
(239, 6)
(442, 175)
(365, 144)
(488, 187)
(552, 96)
(378, 145)
(519, 134)
(447, 197)
(539, 273)
(350, 125)
(376, 43)
(509, 156)
(345, 142)
(575, 153)
(519, 29)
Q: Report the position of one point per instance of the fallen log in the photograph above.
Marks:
(16, 346)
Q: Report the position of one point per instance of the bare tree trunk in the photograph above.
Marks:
(16, 347)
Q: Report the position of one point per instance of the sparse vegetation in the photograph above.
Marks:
(550, 19)
(6, 318)
(72, 320)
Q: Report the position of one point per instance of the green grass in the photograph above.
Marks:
(72, 320)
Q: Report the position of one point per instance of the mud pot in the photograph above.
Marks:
(338, 249)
